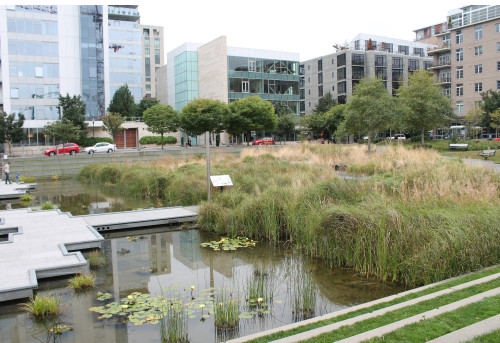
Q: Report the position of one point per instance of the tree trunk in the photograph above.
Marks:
(423, 136)
(369, 143)
(162, 141)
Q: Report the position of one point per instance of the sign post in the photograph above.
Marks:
(221, 181)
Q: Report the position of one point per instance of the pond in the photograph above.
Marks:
(174, 266)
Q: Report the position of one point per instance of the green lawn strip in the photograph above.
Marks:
(445, 323)
(403, 313)
(493, 337)
(458, 281)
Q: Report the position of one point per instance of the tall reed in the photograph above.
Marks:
(173, 326)
(226, 310)
(42, 306)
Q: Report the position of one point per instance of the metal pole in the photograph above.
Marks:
(208, 164)
(93, 133)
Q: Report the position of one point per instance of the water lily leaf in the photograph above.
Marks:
(107, 315)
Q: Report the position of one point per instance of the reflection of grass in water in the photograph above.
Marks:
(97, 258)
(303, 290)
(226, 310)
(260, 286)
(173, 326)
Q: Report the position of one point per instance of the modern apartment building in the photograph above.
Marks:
(217, 71)
(152, 45)
(88, 50)
(467, 59)
(367, 55)
(429, 34)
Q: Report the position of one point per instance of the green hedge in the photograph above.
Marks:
(89, 141)
(157, 140)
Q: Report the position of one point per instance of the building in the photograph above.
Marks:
(429, 34)
(152, 47)
(466, 61)
(217, 71)
(366, 55)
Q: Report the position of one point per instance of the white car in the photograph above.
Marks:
(399, 136)
(101, 147)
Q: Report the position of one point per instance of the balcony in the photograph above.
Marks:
(441, 65)
(443, 80)
(123, 13)
(446, 47)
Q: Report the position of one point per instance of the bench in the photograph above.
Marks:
(487, 153)
(461, 146)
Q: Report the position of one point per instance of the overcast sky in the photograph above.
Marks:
(307, 27)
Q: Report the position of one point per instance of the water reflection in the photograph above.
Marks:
(157, 260)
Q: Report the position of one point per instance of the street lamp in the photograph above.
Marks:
(93, 130)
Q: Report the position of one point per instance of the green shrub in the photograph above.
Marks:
(42, 306)
(27, 179)
(82, 281)
(157, 140)
(90, 141)
(47, 206)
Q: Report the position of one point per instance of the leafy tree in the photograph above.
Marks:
(286, 125)
(144, 104)
(495, 121)
(62, 130)
(253, 114)
(315, 122)
(334, 117)
(325, 103)
(112, 123)
(368, 111)
(422, 106)
(73, 110)
(472, 121)
(11, 130)
(204, 115)
(161, 119)
(281, 109)
(489, 104)
(122, 102)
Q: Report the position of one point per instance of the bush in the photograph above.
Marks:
(90, 141)
(157, 140)
(47, 206)
(27, 179)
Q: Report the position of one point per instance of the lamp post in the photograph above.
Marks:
(93, 130)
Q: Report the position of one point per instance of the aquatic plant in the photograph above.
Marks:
(226, 310)
(226, 243)
(259, 287)
(55, 177)
(25, 198)
(47, 206)
(173, 323)
(103, 296)
(303, 293)
(82, 281)
(42, 306)
(97, 259)
(27, 179)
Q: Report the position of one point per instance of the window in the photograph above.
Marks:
(146, 51)
(320, 90)
(245, 86)
(404, 49)
(308, 67)
(460, 89)
(308, 92)
(478, 87)
(148, 87)
(320, 77)
(460, 54)
(478, 69)
(459, 37)
(309, 104)
(157, 41)
(498, 65)
(308, 79)
(333, 88)
(320, 65)
(146, 42)
(478, 32)
(460, 107)
(497, 27)
(498, 47)
(252, 65)
(478, 50)
(333, 60)
(14, 93)
(333, 74)
(157, 56)
(460, 72)
(498, 84)
(418, 52)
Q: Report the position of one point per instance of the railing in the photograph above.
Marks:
(444, 80)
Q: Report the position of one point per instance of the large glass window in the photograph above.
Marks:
(460, 107)
(157, 41)
(413, 65)
(380, 60)
(31, 26)
(320, 90)
(404, 49)
(320, 77)
(460, 89)
(358, 59)
(418, 52)
(320, 65)
(341, 60)
(397, 62)
(157, 56)
(341, 73)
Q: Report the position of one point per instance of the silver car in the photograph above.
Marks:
(101, 147)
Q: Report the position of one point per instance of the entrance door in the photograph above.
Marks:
(126, 139)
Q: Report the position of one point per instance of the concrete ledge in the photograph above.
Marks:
(470, 332)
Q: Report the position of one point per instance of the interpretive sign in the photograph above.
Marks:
(221, 180)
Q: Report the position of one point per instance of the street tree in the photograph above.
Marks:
(368, 111)
(325, 103)
(161, 119)
(254, 114)
(421, 104)
(334, 117)
(472, 121)
(203, 115)
(286, 125)
(123, 102)
(11, 130)
(112, 123)
(73, 109)
(490, 103)
(62, 130)
(495, 121)
(144, 104)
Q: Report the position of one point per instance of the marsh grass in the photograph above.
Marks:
(25, 198)
(260, 286)
(82, 282)
(173, 326)
(97, 259)
(226, 310)
(303, 292)
(47, 206)
(42, 306)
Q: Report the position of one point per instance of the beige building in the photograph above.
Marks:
(153, 58)
(162, 85)
(467, 59)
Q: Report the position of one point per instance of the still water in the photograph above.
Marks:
(159, 261)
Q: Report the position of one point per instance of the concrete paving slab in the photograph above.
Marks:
(38, 246)
(327, 328)
(11, 191)
(470, 332)
(140, 218)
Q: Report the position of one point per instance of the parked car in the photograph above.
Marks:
(66, 148)
(101, 147)
(399, 136)
(264, 141)
(496, 139)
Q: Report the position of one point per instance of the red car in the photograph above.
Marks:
(496, 139)
(264, 141)
(66, 148)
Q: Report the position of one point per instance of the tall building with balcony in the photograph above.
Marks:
(220, 72)
(152, 48)
(466, 61)
(366, 55)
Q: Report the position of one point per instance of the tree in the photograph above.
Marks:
(73, 110)
(495, 121)
(422, 106)
(203, 115)
(334, 117)
(161, 119)
(489, 104)
(62, 130)
(325, 103)
(254, 114)
(315, 122)
(368, 111)
(11, 130)
(123, 102)
(472, 121)
(144, 104)
(286, 125)
(112, 123)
